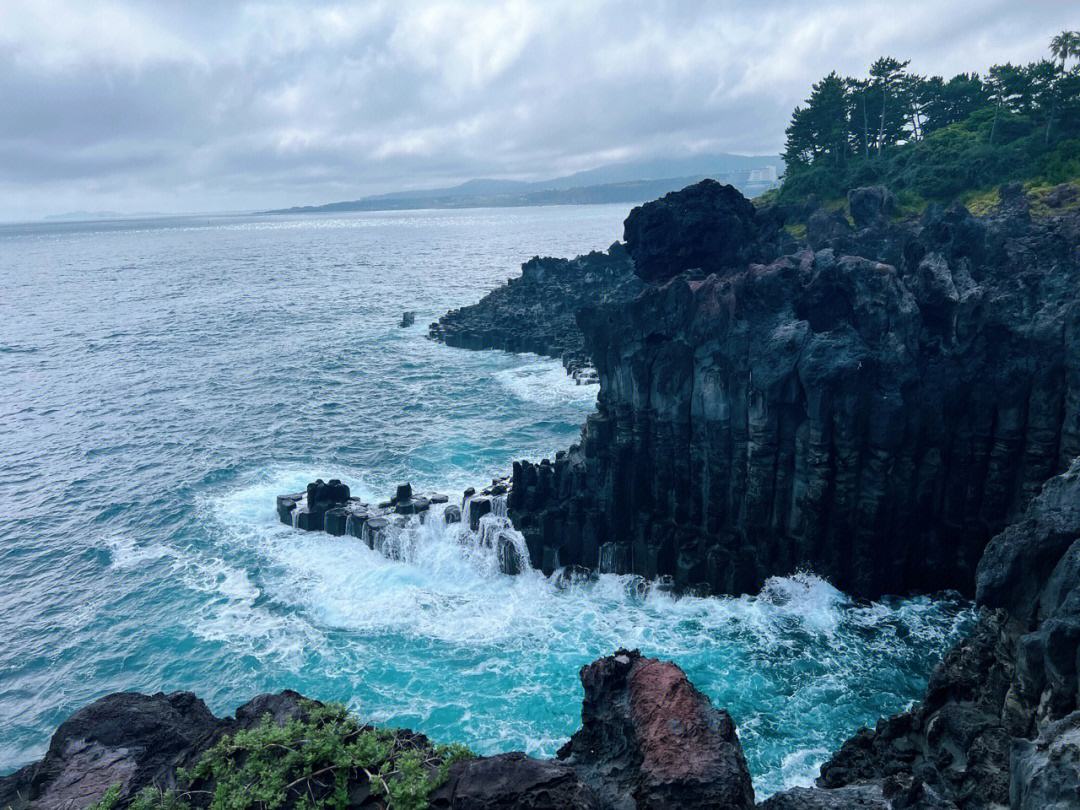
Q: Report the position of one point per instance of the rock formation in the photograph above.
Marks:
(384, 527)
(131, 740)
(1000, 723)
(874, 404)
(649, 739)
(536, 311)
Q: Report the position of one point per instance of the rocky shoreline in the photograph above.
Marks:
(648, 739)
(893, 404)
(999, 725)
(873, 403)
(536, 311)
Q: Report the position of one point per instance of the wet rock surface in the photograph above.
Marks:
(649, 739)
(536, 311)
(1000, 723)
(875, 409)
(329, 507)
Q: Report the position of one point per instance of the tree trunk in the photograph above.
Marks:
(881, 125)
(865, 128)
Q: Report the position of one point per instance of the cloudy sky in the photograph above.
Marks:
(186, 105)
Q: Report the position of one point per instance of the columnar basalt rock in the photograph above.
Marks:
(383, 527)
(1000, 723)
(875, 409)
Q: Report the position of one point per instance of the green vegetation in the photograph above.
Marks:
(307, 763)
(108, 800)
(929, 138)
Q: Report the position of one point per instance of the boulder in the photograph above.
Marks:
(870, 205)
(648, 738)
(706, 227)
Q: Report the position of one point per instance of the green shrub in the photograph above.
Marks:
(312, 762)
(309, 762)
(108, 800)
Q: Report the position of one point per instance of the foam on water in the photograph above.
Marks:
(186, 371)
(791, 664)
(543, 383)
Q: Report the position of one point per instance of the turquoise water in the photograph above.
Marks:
(164, 380)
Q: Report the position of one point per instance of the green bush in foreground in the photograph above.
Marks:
(307, 763)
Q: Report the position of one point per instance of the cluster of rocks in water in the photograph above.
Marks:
(536, 312)
(893, 404)
(328, 506)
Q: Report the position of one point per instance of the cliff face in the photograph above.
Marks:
(875, 405)
(1000, 724)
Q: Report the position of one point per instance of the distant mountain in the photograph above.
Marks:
(660, 168)
(633, 181)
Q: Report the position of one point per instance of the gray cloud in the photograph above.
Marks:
(204, 105)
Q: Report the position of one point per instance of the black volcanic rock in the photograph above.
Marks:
(706, 227)
(123, 739)
(513, 782)
(875, 421)
(870, 205)
(1000, 723)
(536, 311)
(648, 739)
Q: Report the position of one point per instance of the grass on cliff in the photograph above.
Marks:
(313, 762)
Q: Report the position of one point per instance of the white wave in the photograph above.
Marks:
(545, 382)
(799, 649)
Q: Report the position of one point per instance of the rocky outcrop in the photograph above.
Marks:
(705, 228)
(874, 406)
(386, 527)
(1000, 723)
(536, 311)
(649, 739)
(130, 740)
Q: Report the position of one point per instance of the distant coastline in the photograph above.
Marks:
(618, 183)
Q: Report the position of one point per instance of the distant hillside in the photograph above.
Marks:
(634, 181)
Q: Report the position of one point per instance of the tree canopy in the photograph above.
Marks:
(935, 137)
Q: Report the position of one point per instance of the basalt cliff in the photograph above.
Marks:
(893, 404)
(874, 401)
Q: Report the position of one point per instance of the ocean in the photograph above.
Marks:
(164, 379)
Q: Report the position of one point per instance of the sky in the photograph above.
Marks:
(212, 105)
